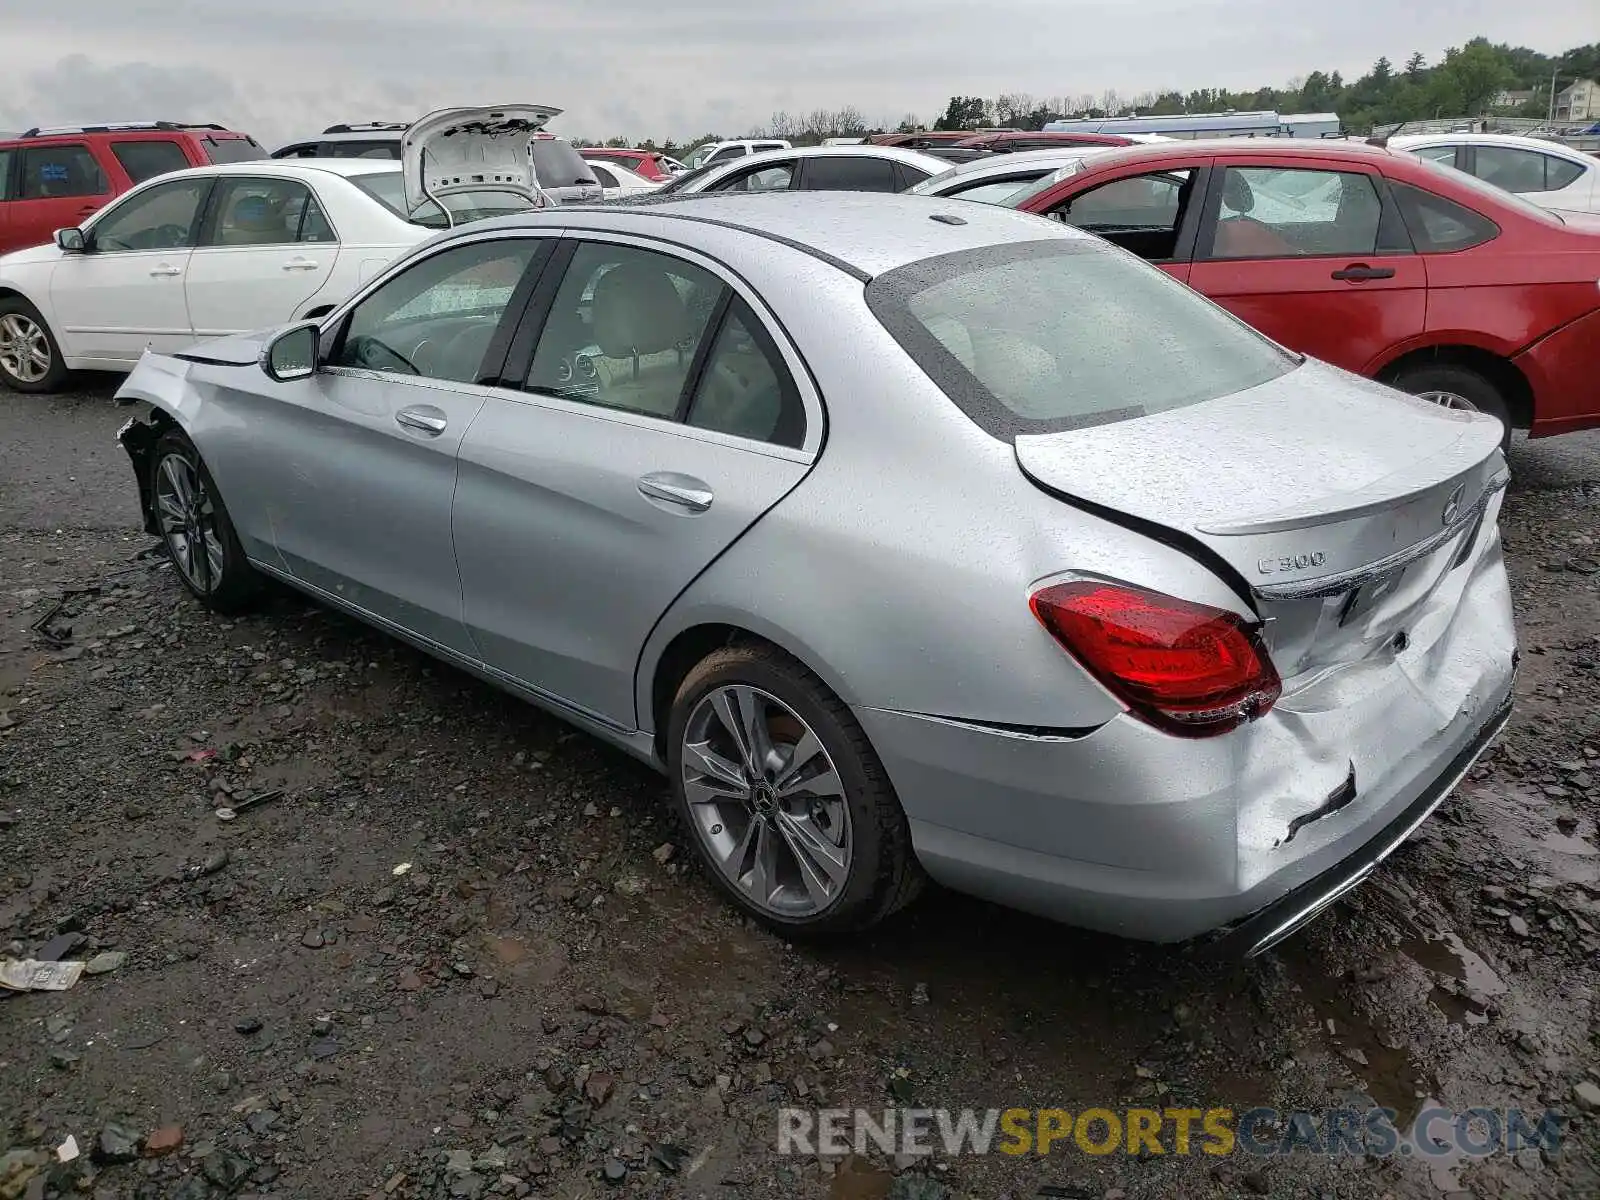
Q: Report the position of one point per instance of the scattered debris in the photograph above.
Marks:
(105, 962)
(230, 813)
(31, 975)
(68, 1150)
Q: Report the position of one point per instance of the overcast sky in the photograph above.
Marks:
(679, 68)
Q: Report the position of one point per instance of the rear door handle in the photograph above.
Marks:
(679, 491)
(1362, 271)
(301, 264)
(424, 419)
(164, 269)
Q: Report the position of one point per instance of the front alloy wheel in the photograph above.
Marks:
(30, 360)
(767, 800)
(196, 528)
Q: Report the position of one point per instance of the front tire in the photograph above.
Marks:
(30, 359)
(195, 526)
(784, 798)
(1448, 385)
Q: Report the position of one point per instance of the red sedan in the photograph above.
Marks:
(1370, 259)
(642, 162)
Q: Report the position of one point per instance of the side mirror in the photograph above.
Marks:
(71, 241)
(292, 354)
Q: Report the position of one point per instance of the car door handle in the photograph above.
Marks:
(680, 491)
(1362, 271)
(164, 269)
(424, 419)
(301, 264)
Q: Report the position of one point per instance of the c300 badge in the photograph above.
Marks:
(1291, 562)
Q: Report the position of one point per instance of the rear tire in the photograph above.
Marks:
(196, 528)
(1445, 383)
(30, 359)
(840, 856)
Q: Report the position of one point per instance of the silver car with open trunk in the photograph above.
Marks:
(905, 536)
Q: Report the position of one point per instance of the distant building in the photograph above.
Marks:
(1580, 102)
(1209, 125)
(1511, 99)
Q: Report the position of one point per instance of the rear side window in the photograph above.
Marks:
(1558, 173)
(232, 150)
(1048, 335)
(146, 160)
(1440, 226)
(7, 158)
(848, 174)
(557, 164)
(606, 178)
(49, 172)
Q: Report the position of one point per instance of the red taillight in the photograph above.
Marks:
(1187, 668)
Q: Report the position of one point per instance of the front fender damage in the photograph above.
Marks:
(160, 385)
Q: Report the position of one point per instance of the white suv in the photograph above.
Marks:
(722, 151)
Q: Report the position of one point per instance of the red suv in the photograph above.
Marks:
(1415, 274)
(54, 178)
(642, 162)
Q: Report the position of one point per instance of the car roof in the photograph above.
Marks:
(1410, 140)
(1243, 147)
(345, 167)
(1021, 160)
(865, 233)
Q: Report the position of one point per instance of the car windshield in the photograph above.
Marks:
(1042, 184)
(387, 188)
(1473, 184)
(1056, 334)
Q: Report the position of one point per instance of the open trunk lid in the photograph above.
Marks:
(472, 150)
(1340, 506)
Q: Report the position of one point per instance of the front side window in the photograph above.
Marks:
(1272, 212)
(623, 330)
(163, 217)
(147, 159)
(1057, 334)
(436, 319)
(1141, 213)
(778, 177)
(849, 174)
(267, 212)
(53, 172)
(1445, 156)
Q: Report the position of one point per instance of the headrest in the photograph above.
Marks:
(637, 310)
(1236, 193)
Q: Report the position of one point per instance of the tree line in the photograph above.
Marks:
(1468, 80)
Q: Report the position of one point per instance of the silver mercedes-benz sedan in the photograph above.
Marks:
(907, 537)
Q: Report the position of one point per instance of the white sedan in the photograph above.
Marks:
(616, 180)
(1545, 173)
(812, 169)
(214, 251)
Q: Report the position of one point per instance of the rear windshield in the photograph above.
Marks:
(388, 189)
(232, 150)
(1056, 334)
(557, 164)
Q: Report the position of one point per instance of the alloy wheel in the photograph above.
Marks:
(1448, 400)
(767, 801)
(189, 522)
(24, 348)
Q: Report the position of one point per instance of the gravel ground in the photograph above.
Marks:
(459, 954)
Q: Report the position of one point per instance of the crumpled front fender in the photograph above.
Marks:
(162, 384)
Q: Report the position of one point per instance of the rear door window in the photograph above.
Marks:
(50, 172)
(1054, 334)
(266, 212)
(606, 178)
(847, 173)
(146, 159)
(7, 159)
(1510, 168)
(1272, 212)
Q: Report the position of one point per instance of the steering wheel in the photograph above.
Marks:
(369, 352)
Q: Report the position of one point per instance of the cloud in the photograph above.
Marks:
(643, 68)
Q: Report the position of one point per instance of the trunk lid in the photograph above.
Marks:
(1341, 506)
(472, 150)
